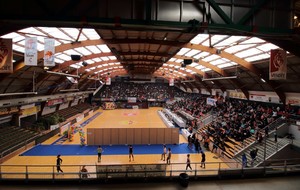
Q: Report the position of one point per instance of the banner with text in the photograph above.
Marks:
(171, 82)
(30, 55)
(6, 55)
(49, 51)
(278, 65)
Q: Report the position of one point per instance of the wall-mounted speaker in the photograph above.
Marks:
(75, 57)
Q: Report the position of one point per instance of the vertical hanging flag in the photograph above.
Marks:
(6, 65)
(49, 51)
(171, 82)
(30, 51)
(278, 65)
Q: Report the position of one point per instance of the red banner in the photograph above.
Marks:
(278, 65)
(6, 65)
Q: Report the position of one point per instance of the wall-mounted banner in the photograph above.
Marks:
(6, 65)
(30, 54)
(278, 64)
(49, 51)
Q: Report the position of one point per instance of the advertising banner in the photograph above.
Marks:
(278, 65)
(6, 57)
(30, 55)
(49, 51)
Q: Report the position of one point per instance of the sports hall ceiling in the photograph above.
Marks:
(226, 39)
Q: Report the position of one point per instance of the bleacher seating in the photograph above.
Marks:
(12, 137)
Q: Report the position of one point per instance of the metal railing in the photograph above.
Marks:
(212, 169)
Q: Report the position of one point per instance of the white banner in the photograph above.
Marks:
(49, 51)
(30, 54)
(171, 82)
(211, 101)
(6, 65)
(108, 81)
(278, 65)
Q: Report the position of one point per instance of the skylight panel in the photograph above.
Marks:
(258, 57)
(112, 57)
(32, 31)
(183, 51)
(71, 52)
(253, 40)
(97, 59)
(89, 61)
(111, 63)
(93, 68)
(172, 59)
(73, 32)
(206, 69)
(179, 61)
(99, 66)
(248, 53)
(64, 57)
(176, 66)
(103, 48)
(105, 65)
(91, 34)
(199, 38)
(224, 65)
(200, 67)
(217, 38)
(14, 36)
(194, 64)
(120, 66)
(88, 70)
(39, 38)
(201, 55)
(206, 43)
(75, 66)
(188, 70)
(230, 41)
(104, 58)
(117, 63)
(211, 57)
(184, 74)
(18, 48)
(59, 60)
(217, 62)
(83, 51)
(237, 48)
(93, 49)
(267, 47)
(192, 53)
(56, 33)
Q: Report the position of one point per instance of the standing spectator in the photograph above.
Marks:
(202, 160)
(58, 163)
(188, 162)
(253, 154)
(99, 150)
(275, 135)
(163, 155)
(267, 131)
(169, 154)
(131, 153)
(244, 160)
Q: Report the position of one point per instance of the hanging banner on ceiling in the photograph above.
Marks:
(171, 82)
(6, 57)
(30, 55)
(278, 65)
(49, 51)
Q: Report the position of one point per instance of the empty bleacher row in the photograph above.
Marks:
(14, 137)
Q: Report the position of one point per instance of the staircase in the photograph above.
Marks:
(269, 145)
(249, 142)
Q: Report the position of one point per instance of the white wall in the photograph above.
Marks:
(48, 110)
(295, 130)
(64, 105)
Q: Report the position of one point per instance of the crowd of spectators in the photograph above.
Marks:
(121, 91)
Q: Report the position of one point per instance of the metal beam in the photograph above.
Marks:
(219, 11)
(251, 12)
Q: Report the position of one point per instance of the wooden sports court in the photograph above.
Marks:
(127, 118)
